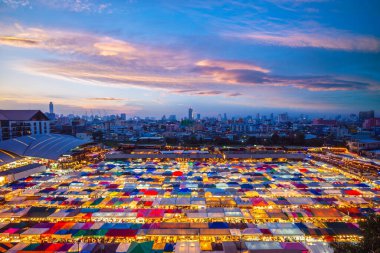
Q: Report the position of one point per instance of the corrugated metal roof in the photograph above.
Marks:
(7, 157)
(48, 146)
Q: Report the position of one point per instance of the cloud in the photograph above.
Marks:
(76, 5)
(199, 93)
(18, 42)
(66, 105)
(250, 76)
(16, 3)
(106, 61)
(230, 65)
(313, 37)
(102, 49)
(235, 94)
(107, 99)
(69, 5)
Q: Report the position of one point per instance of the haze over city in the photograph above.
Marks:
(152, 58)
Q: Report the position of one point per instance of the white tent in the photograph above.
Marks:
(319, 247)
(187, 247)
(123, 247)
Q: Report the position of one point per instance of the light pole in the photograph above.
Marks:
(102, 246)
(240, 243)
(78, 245)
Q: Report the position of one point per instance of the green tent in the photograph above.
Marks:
(143, 247)
(80, 233)
(100, 232)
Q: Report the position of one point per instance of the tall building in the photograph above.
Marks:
(371, 123)
(51, 108)
(282, 118)
(123, 116)
(51, 114)
(16, 123)
(366, 115)
(190, 117)
(172, 118)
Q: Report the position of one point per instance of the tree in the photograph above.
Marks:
(370, 243)
(275, 139)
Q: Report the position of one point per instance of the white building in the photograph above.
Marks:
(16, 123)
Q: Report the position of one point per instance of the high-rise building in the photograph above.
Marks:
(172, 118)
(198, 116)
(123, 116)
(282, 118)
(190, 117)
(366, 115)
(51, 108)
(371, 123)
(16, 123)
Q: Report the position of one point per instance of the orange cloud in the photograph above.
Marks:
(107, 61)
(19, 42)
(230, 65)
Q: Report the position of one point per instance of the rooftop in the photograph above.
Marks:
(22, 115)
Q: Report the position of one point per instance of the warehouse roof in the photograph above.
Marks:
(48, 146)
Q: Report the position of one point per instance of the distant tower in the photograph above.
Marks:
(190, 113)
(51, 108)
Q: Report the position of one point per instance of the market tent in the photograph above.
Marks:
(352, 192)
(187, 247)
(259, 245)
(319, 247)
(218, 225)
(251, 231)
(121, 233)
(341, 228)
(144, 247)
(123, 247)
(177, 173)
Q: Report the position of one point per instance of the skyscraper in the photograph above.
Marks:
(190, 114)
(366, 115)
(51, 108)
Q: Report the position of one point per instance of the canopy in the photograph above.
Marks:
(145, 247)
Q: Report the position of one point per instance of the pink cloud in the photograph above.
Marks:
(323, 38)
(230, 65)
(111, 62)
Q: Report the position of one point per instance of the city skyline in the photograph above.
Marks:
(152, 58)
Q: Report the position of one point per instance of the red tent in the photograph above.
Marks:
(54, 247)
(151, 192)
(142, 213)
(177, 173)
(121, 233)
(352, 192)
(156, 213)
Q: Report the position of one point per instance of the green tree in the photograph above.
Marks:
(275, 139)
(371, 238)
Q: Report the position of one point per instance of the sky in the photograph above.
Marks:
(150, 58)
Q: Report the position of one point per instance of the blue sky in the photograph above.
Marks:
(152, 58)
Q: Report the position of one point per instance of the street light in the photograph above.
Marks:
(78, 244)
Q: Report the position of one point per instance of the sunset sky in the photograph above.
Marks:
(151, 58)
